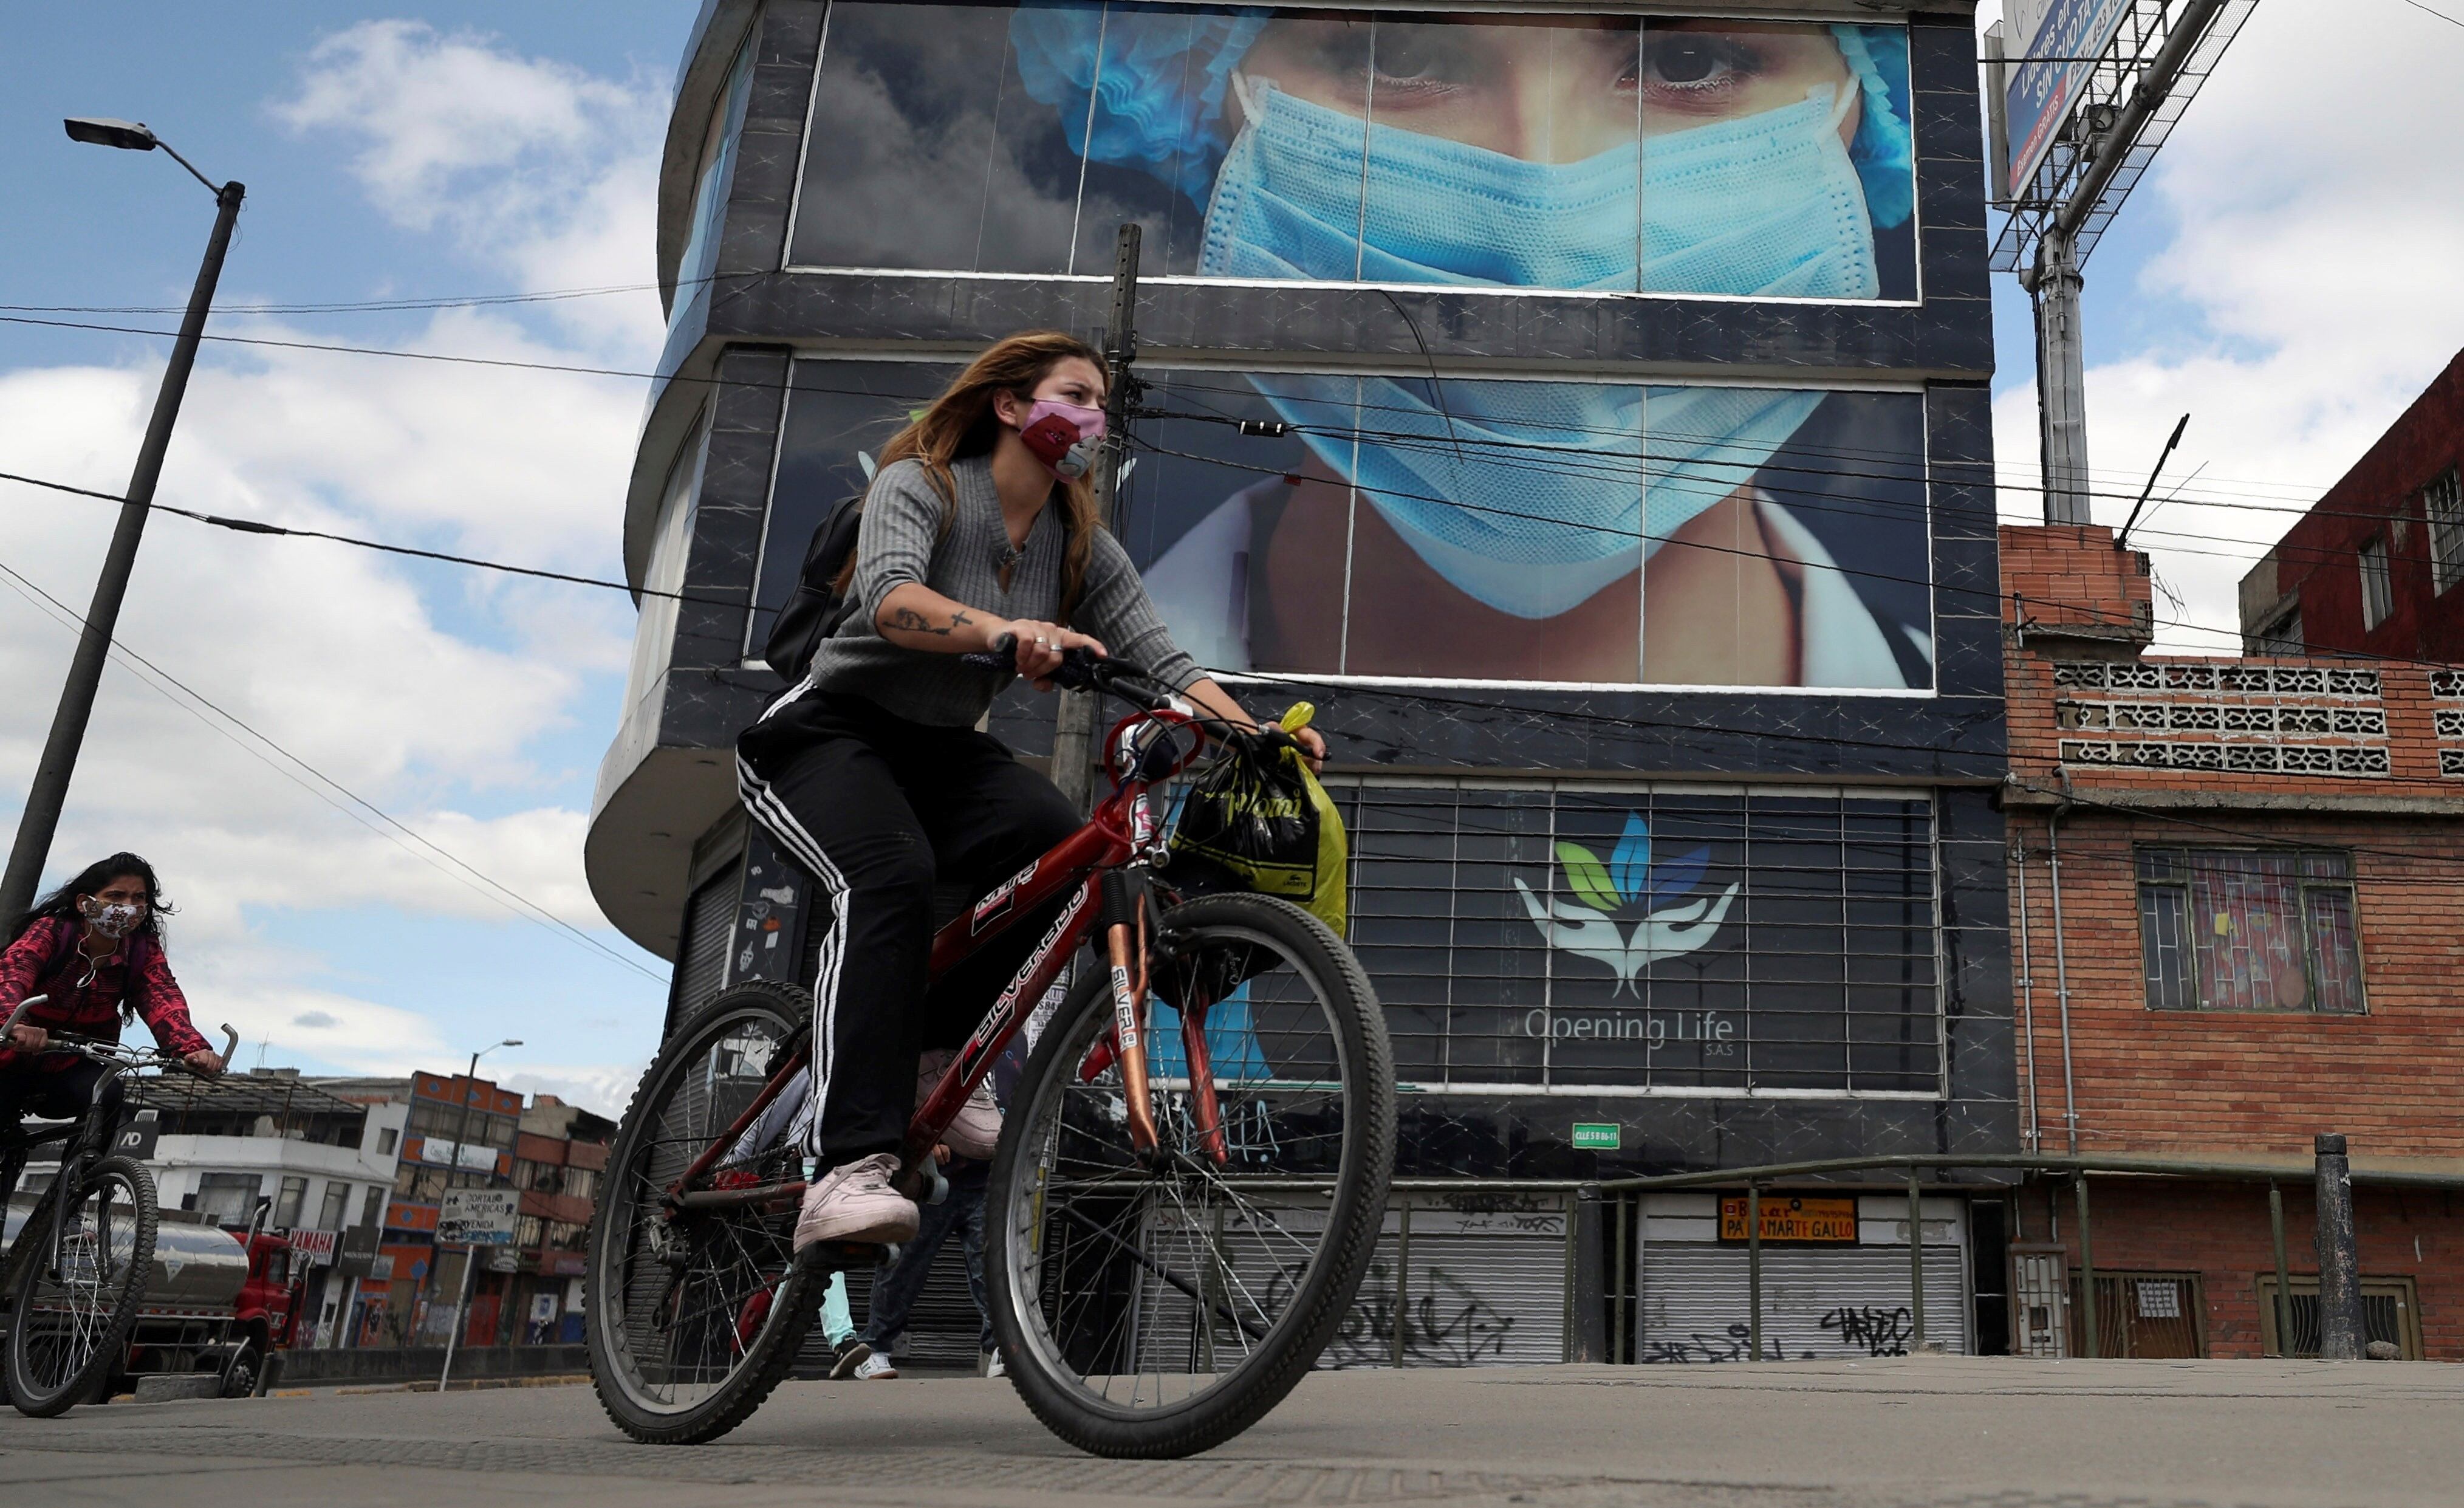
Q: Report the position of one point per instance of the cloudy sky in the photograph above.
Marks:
(2286, 275)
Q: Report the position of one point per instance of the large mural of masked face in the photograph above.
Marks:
(1589, 532)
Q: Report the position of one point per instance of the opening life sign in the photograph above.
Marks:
(478, 1217)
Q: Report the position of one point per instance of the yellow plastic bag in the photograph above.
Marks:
(1271, 825)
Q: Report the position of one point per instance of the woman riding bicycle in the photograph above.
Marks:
(981, 524)
(94, 947)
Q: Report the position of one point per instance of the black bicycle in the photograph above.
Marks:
(77, 1273)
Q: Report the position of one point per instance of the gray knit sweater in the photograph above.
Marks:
(901, 542)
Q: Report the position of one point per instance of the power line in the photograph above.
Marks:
(158, 679)
(791, 385)
(2441, 14)
(414, 304)
(257, 527)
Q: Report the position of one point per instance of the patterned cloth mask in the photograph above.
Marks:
(114, 919)
(1065, 437)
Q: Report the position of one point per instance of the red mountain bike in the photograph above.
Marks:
(1190, 1178)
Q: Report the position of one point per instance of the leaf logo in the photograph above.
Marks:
(1629, 880)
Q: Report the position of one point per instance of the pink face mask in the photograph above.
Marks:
(1065, 437)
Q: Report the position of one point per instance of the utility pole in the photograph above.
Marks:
(2145, 67)
(50, 789)
(1074, 727)
(2062, 377)
(470, 1253)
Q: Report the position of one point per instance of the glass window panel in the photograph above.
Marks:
(2245, 924)
(1599, 153)
(711, 183)
(927, 150)
(2163, 940)
(1775, 160)
(1502, 150)
(1260, 558)
(839, 415)
(2336, 954)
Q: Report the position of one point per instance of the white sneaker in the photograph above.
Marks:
(855, 1203)
(876, 1368)
(989, 1365)
(977, 1130)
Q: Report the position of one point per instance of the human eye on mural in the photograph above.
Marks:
(1583, 153)
(1412, 526)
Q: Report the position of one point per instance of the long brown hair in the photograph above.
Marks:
(961, 424)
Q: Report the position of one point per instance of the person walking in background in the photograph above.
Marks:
(895, 1292)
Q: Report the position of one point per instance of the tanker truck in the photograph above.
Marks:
(217, 1300)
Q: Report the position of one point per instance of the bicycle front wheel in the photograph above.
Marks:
(1159, 1307)
(694, 1315)
(81, 1274)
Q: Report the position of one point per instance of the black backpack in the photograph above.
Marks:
(815, 610)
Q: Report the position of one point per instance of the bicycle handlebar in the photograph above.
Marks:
(113, 1052)
(1079, 670)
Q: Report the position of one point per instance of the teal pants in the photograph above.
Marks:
(838, 1326)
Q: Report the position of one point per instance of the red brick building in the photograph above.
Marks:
(2233, 892)
(2373, 566)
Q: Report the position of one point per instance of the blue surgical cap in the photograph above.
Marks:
(1877, 60)
(1156, 76)
(1143, 86)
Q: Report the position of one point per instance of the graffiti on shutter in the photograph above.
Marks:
(1485, 1286)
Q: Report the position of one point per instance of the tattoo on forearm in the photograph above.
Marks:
(912, 621)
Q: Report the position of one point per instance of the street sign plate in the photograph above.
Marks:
(478, 1217)
(1789, 1218)
(1594, 1137)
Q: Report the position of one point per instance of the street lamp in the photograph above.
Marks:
(48, 792)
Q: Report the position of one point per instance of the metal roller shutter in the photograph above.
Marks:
(1848, 1301)
(1483, 1289)
(701, 962)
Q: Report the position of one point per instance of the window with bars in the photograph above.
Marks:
(2378, 592)
(1696, 939)
(2443, 500)
(2250, 929)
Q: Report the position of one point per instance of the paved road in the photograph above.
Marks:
(1925, 1432)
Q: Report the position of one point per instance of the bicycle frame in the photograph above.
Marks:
(88, 1137)
(1122, 836)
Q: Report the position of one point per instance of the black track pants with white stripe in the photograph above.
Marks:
(879, 808)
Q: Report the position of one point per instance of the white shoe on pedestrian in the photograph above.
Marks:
(976, 1131)
(876, 1368)
(855, 1203)
(989, 1365)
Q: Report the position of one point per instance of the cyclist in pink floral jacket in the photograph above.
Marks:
(94, 947)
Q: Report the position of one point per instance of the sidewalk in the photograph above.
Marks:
(1918, 1432)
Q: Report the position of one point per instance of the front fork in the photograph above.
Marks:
(1123, 918)
(1128, 950)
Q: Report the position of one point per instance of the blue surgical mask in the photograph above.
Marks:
(1765, 205)
(1769, 203)
(1476, 491)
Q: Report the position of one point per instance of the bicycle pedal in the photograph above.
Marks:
(842, 1256)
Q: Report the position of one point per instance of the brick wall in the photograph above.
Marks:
(2318, 557)
(2129, 750)
(2220, 1231)
(2243, 1082)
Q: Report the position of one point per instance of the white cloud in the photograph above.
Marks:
(537, 165)
(602, 1088)
(451, 699)
(2315, 231)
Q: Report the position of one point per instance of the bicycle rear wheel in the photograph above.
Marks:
(75, 1297)
(1160, 1309)
(695, 1314)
